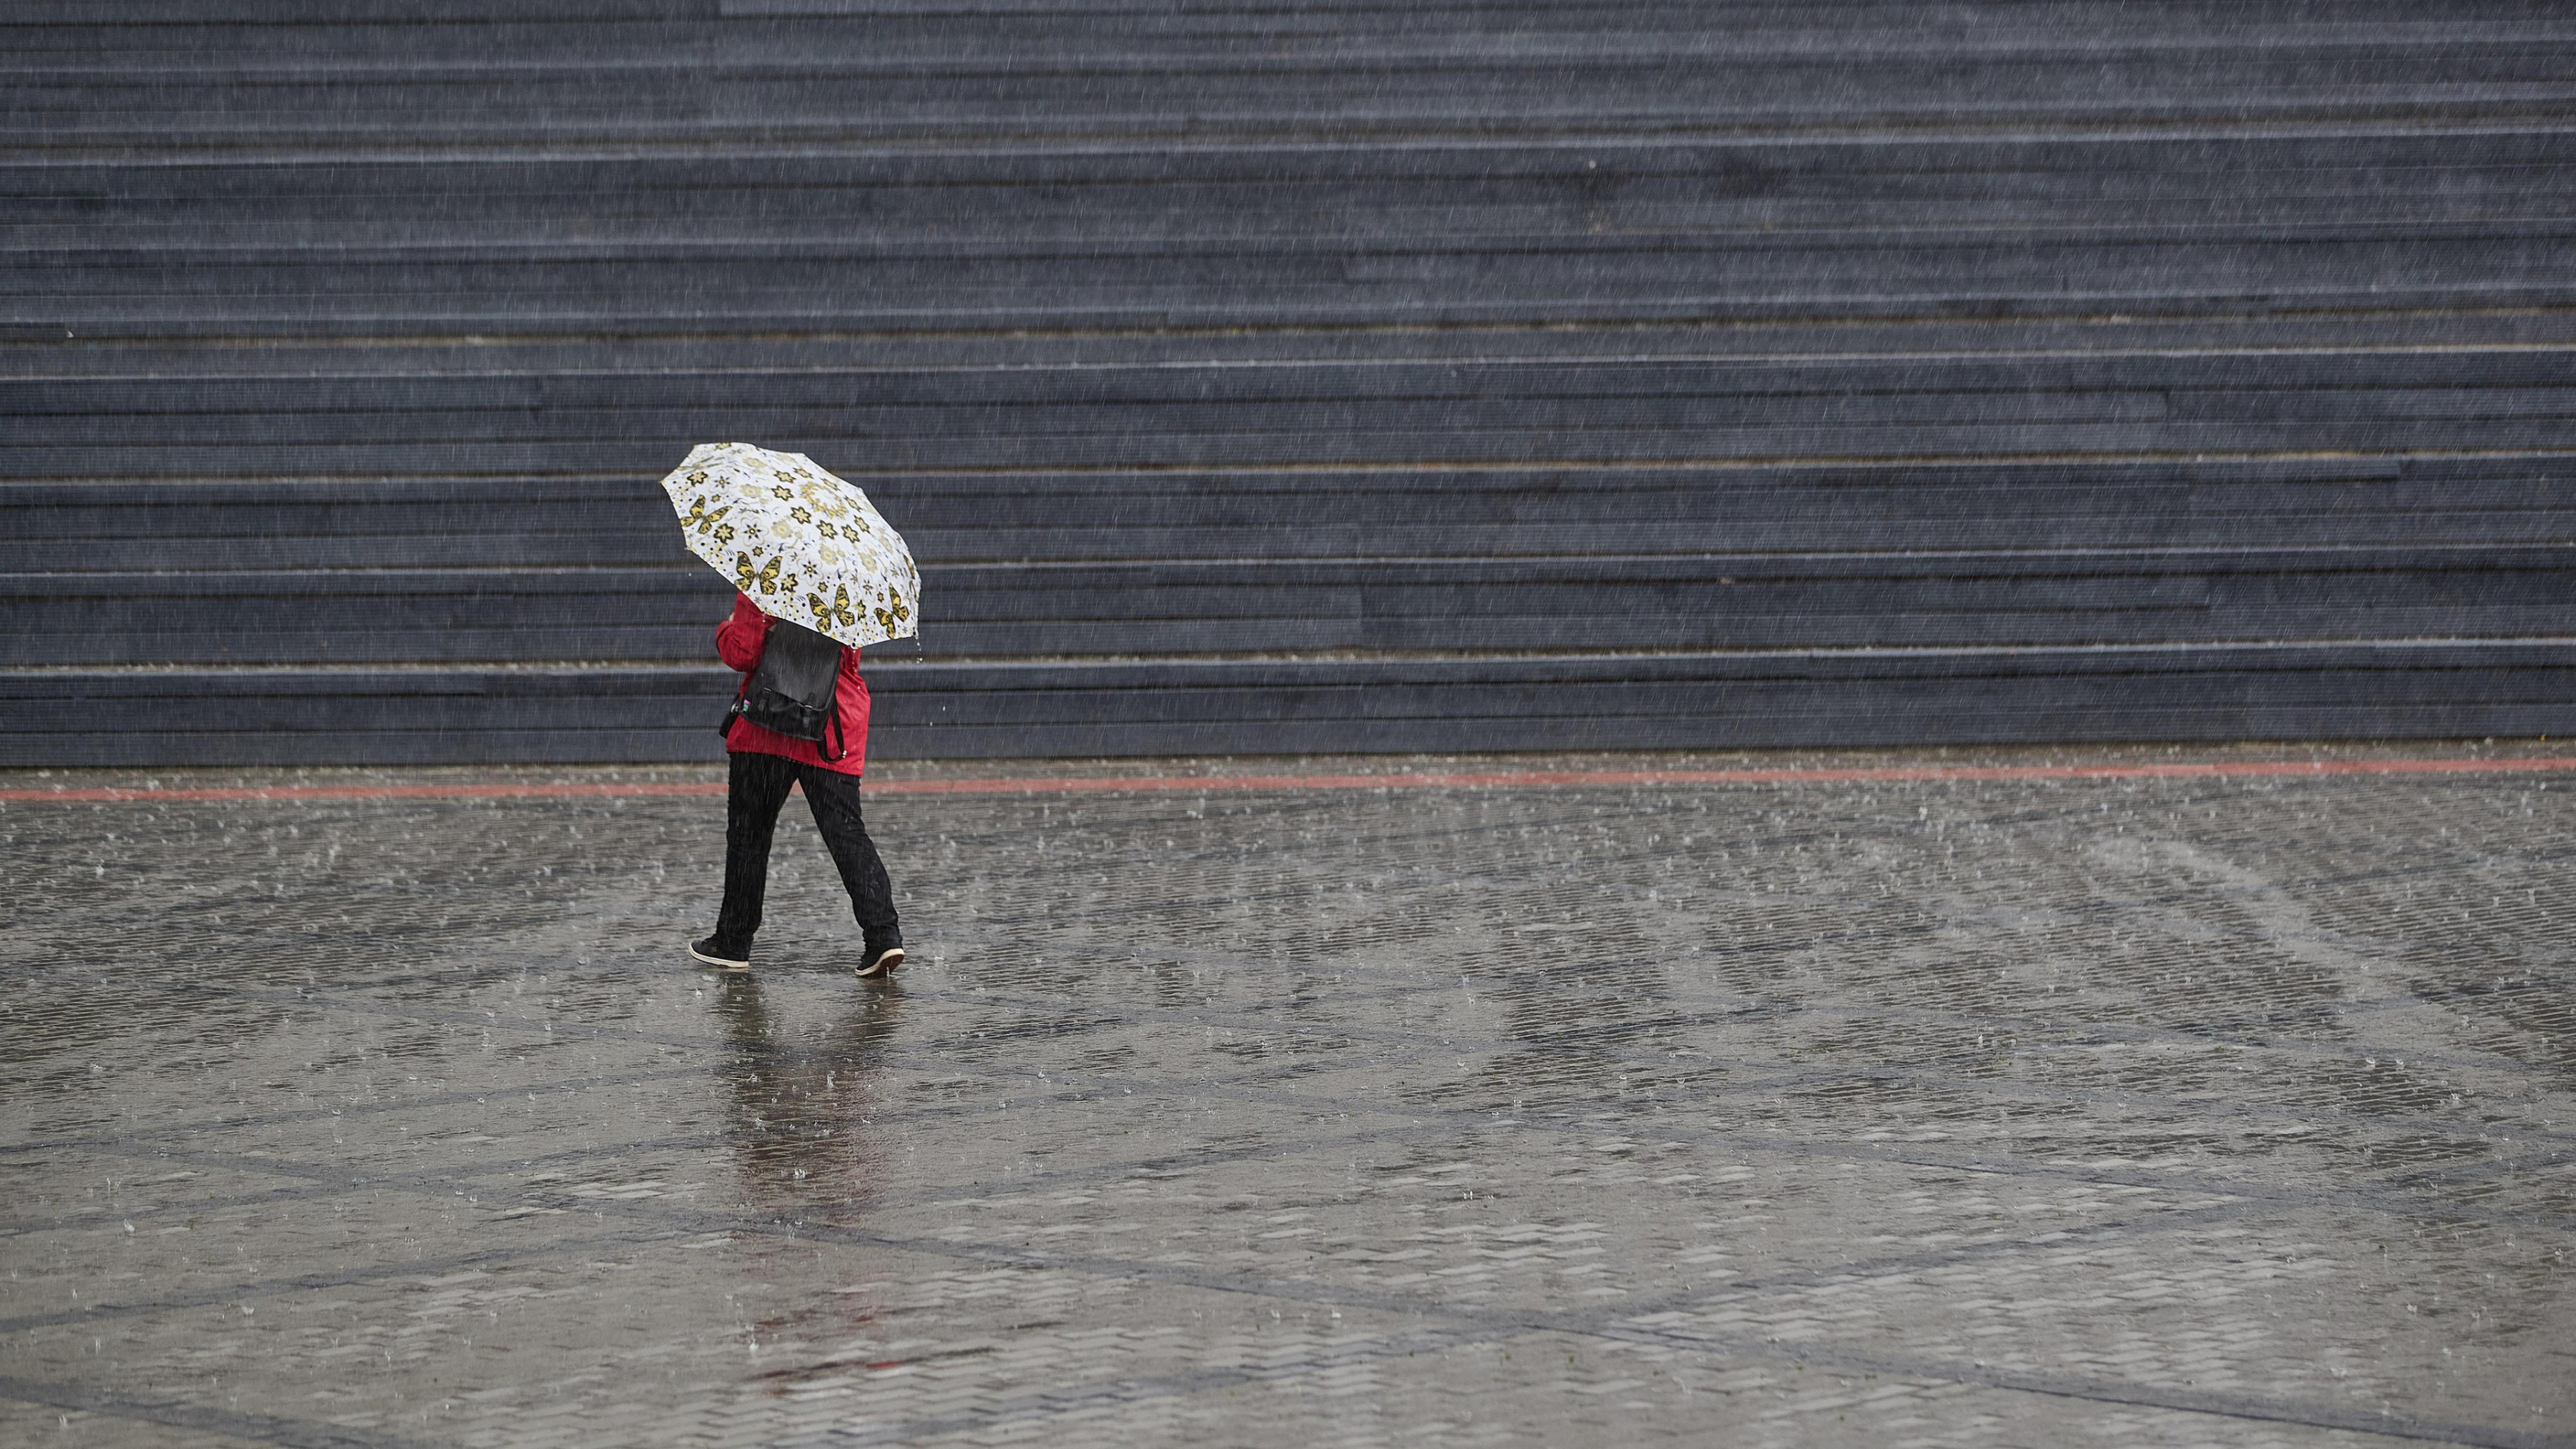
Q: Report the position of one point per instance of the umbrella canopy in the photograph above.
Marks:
(803, 544)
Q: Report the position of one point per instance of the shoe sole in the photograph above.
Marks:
(718, 962)
(882, 966)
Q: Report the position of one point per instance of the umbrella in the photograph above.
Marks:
(803, 544)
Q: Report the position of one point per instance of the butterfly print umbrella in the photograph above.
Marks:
(803, 544)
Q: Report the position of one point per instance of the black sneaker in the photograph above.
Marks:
(722, 957)
(875, 963)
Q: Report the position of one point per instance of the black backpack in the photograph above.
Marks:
(796, 689)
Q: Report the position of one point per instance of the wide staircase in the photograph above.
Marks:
(1292, 375)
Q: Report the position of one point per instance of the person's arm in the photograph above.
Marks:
(740, 639)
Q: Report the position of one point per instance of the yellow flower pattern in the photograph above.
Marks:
(789, 533)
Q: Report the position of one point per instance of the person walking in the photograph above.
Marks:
(765, 765)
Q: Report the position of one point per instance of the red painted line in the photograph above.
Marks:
(360, 792)
(1421, 780)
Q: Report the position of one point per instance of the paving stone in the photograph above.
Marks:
(2125, 1111)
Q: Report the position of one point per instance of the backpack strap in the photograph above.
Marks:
(832, 721)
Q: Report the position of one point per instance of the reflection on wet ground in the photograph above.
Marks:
(2125, 1110)
(802, 1101)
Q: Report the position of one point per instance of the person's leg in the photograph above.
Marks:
(758, 788)
(835, 801)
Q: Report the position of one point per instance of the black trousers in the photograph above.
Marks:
(759, 788)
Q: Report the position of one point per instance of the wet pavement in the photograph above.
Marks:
(2163, 1111)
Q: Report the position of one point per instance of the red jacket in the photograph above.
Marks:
(740, 640)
